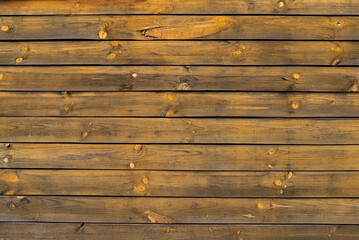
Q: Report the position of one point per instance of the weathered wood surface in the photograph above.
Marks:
(178, 183)
(179, 78)
(180, 53)
(90, 231)
(180, 27)
(180, 157)
(178, 210)
(177, 130)
(304, 7)
(140, 104)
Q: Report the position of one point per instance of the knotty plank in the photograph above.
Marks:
(166, 130)
(175, 130)
(49, 7)
(180, 27)
(178, 184)
(178, 210)
(178, 78)
(140, 104)
(180, 157)
(90, 231)
(180, 53)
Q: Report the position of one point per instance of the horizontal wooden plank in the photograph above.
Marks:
(180, 157)
(176, 130)
(140, 104)
(180, 27)
(178, 210)
(49, 7)
(178, 183)
(178, 78)
(180, 53)
(90, 231)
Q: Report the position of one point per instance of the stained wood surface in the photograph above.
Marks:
(180, 27)
(180, 53)
(139, 104)
(180, 157)
(171, 130)
(90, 231)
(178, 184)
(178, 210)
(178, 78)
(304, 7)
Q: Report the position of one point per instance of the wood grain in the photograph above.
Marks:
(180, 53)
(180, 27)
(178, 78)
(178, 210)
(89, 231)
(49, 7)
(180, 157)
(140, 104)
(178, 184)
(175, 130)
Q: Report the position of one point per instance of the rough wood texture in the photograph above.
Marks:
(180, 27)
(178, 184)
(139, 104)
(25, 231)
(178, 78)
(178, 210)
(180, 53)
(175, 130)
(180, 157)
(49, 7)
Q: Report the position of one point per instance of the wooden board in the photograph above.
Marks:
(178, 210)
(178, 184)
(179, 78)
(180, 157)
(139, 104)
(49, 7)
(25, 231)
(180, 53)
(180, 27)
(173, 130)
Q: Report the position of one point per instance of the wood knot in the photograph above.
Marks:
(9, 178)
(338, 24)
(19, 60)
(170, 113)
(264, 205)
(238, 52)
(157, 218)
(6, 160)
(171, 97)
(7, 145)
(132, 165)
(281, 4)
(272, 151)
(24, 48)
(138, 148)
(84, 134)
(66, 108)
(5, 28)
(12, 205)
(1, 76)
(102, 34)
(183, 86)
(336, 61)
(114, 43)
(277, 182)
(111, 56)
(139, 189)
(296, 76)
(145, 180)
(288, 175)
(295, 105)
(134, 75)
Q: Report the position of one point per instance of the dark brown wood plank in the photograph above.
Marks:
(180, 53)
(178, 183)
(142, 104)
(178, 78)
(180, 27)
(178, 210)
(90, 231)
(49, 7)
(180, 157)
(176, 130)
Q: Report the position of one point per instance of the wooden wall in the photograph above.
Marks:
(168, 119)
